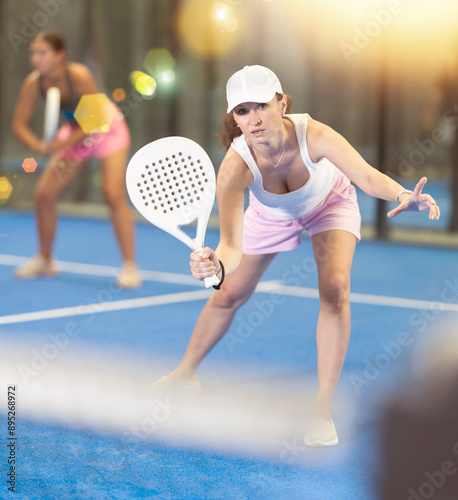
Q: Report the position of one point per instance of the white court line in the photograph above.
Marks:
(273, 286)
(359, 298)
(173, 298)
(100, 307)
(99, 270)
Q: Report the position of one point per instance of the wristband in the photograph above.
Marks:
(404, 191)
(218, 286)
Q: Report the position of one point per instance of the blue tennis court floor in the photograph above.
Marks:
(268, 355)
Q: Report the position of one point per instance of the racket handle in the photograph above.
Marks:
(211, 281)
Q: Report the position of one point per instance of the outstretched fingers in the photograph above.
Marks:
(418, 201)
(434, 210)
(396, 211)
(425, 201)
(419, 187)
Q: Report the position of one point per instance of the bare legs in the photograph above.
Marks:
(218, 313)
(54, 181)
(333, 252)
(57, 177)
(114, 190)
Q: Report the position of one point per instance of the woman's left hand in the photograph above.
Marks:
(417, 202)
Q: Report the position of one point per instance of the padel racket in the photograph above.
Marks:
(52, 109)
(172, 182)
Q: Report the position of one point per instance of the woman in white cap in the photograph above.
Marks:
(298, 172)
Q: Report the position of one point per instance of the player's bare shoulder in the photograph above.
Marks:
(31, 81)
(78, 70)
(317, 135)
(314, 129)
(30, 88)
(82, 78)
(233, 172)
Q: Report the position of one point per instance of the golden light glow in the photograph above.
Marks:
(5, 190)
(231, 24)
(412, 37)
(95, 113)
(221, 12)
(208, 28)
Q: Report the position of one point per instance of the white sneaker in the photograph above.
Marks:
(188, 385)
(37, 266)
(322, 432)
(129, 277)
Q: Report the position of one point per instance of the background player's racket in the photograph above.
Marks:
(171, 182)
(52, 109)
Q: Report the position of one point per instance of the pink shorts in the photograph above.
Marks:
(264, 232)
(99, 145)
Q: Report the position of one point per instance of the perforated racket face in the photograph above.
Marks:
(171, 182)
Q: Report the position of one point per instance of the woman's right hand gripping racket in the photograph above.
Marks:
(172, 182)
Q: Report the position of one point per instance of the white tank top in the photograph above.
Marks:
(301, 201)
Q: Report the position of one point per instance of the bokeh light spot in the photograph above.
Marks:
(168, 76)
(159, 61)
(118, 94)
(29, 165)
(202, 31)
(6, 189)
(144, 84)
(95, 113)
(221, 12)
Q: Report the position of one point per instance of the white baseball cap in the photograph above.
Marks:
(252, 84)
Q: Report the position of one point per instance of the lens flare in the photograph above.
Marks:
(144, 84)
(158, 61)
(118, 94)
(168, 76)
(221, 13)
(5, 190)
(208, 28)
(29, 165)
(95, 113)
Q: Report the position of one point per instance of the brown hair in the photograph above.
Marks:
(54, 38)
(229, 129)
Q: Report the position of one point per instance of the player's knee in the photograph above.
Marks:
(228, 298)
(42, 196)
(113, 196)
(336, 292)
